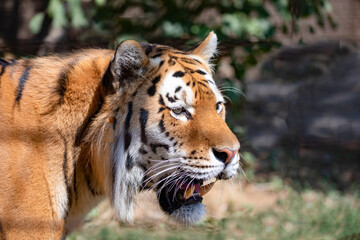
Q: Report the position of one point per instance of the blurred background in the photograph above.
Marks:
(291, 72)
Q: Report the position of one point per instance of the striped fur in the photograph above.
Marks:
(77, 128)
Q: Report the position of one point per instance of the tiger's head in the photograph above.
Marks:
(171, 134)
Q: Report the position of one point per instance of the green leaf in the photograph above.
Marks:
(100, 3)
(328, 7)
(57, 12)
(78, 18)
(172, 29)
(36, 23)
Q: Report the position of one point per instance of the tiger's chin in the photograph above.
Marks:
(189, 214)
(183, 202)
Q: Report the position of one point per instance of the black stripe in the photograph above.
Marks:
(63, 82)
(3, 65)
(107, 81)
(114, 123)
(143, 167)
(129, 162)
(179, 74)
(194, 47)
(76, 196)
(80, 132)
(189, 61)
(2, 232)
(179, 52)
(156, 79)
(3, 62)
(113, 169)
(171, 99)
(21, 85)
(198, 61)
(142, 151)
(210, 82)
(128, 116)
(127, 126)
(87, 172)
(152, 89)
(66, 172)
(161, 101)
(127, 141)
(163, 48)
(171, 62)
(148, 49)
(173, 57)
(161, 126)
(178, 89)
(201, 83)
(157, 55)
(143, 119)
(201, 72)
(159, 145)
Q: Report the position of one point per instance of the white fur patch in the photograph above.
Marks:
(169, 85)
(232, 167)
(126, 181)
(60, 200)
(215, 90)
(154, 62)
(209, 49)
(189, 214)
(168, 88)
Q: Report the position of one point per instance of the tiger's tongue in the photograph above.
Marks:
(196, 189)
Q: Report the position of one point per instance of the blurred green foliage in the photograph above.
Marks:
(246, 26)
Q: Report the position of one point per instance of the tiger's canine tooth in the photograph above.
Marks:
(211, 180)
(206, 188)
(189, 191)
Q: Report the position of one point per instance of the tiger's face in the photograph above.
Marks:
(182, 142)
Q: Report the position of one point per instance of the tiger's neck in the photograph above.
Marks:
(88, 178)
(95, 141)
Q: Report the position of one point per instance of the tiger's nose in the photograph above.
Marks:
(225, 155)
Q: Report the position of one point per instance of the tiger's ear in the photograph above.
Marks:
(207, 48)
(128, 63)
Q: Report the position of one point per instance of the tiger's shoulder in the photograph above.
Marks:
(43, 82)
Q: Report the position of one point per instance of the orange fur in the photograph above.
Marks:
(59, 121)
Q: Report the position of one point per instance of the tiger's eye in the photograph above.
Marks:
(177, 110)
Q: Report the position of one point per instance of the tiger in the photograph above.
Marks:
(80, 127)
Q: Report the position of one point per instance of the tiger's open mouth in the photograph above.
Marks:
(184, 193)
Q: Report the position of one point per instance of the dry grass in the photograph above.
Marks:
(252, 211)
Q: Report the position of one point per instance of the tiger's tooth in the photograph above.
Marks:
(211, 180)
(206, 188)
(189, 192)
